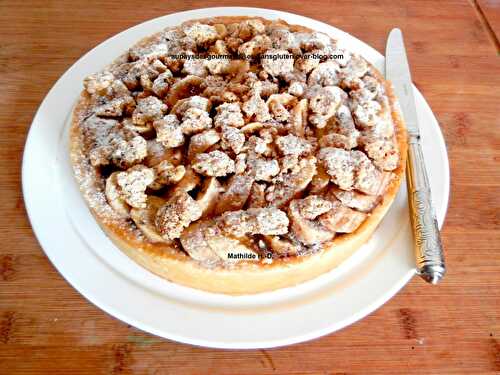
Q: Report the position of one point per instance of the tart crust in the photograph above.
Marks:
(244, 277)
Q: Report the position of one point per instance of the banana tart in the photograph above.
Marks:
(238, 155)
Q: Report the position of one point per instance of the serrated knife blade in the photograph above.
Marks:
(427, 239)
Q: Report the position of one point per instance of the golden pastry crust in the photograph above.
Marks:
(167, 259)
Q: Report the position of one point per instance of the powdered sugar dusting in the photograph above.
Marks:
(259, 130)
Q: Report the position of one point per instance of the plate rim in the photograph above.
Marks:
(274, 343)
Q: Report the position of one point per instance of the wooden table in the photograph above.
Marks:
(47, 327)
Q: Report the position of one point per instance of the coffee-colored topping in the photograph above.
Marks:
(255, 46)
(383, 152)
(256, 107)
(181, 106)
(323, 104)
(162, 83)
(201, 34)
(297, 88)
(115, 107)
(339, 164)
(366, 113)
(277, 62)
(280, 104)
(325, 74)
(368, 177)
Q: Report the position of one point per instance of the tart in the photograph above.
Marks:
(238, 155)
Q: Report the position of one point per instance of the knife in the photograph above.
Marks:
(428, 247)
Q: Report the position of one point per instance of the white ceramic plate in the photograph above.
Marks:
(99, 271)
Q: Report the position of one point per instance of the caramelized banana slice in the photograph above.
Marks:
(320, 180)
(194, 243)
(228, 248)
(201, 142)
(309, 232)
(342, 219)
(298, 118)
(252, 127)
(144, 218)
(236, 194)
(353, 199)
(283, 245)
(289, 185)
(196, 101)
(188, 86)
(205, 242)
(257, 198)
(158, 153)
(208, 196)
(188, 183)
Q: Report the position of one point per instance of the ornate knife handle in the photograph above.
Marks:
(428, 248)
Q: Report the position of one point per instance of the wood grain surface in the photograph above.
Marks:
(46, 327)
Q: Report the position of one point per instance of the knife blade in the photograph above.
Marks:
(427, 239)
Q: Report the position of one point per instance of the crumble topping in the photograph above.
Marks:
(201, 34)
(162, 83)
(229, 114)
(133, 183)
(215, 163)
(256, 221)
(98, 82)
(128, 153)
(195, 120)
(177, 214)
(169, 131)
(232, 138)
(256, 107)
(339, 164)
(277, 66)
(255, 46)
(281, 151)
(325, 74)
(293, 145)
(148, 109)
